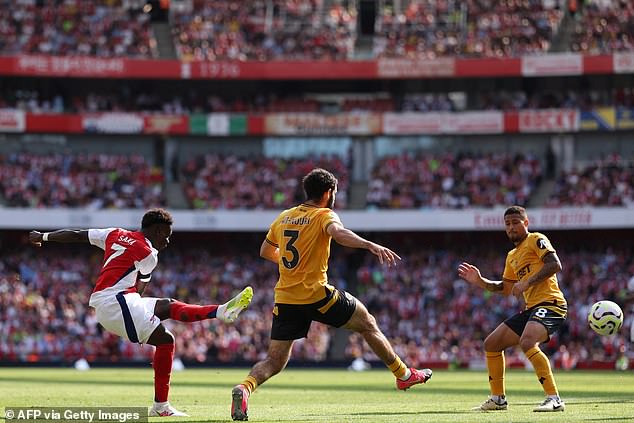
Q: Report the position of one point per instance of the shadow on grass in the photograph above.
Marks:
(617, 397)
(403, 413)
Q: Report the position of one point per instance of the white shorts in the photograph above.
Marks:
(128, 315)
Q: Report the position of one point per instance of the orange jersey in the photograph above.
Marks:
(525, 260)
(300, 234)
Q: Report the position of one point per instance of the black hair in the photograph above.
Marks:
(156, 217)
(317, 182)
(516, 210)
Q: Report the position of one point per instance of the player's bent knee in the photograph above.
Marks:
(161, 336)
(527, 344)
(492, 344)
(162, 308)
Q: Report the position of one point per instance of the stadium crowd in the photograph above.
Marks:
(474, 28)
(94, 181)
(605, 26)
(264, 30)
(311, 29)
(231, 182)
(452, 180)
(101, 28)
(603, 182)
(411, 180)
(428, 313)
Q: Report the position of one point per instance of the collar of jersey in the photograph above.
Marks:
(150, 244)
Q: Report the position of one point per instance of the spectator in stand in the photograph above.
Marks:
(606, 182)
(100, 28)
(231, 182)
(452, 181)
(604, 26)
(95, 181)
(475, 28)
(263, 31)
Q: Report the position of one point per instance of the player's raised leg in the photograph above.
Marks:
(277, 358)
(162, 364)
(183, 312)
(365, 324)
(229, 311)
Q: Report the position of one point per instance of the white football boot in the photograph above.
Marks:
(551, 404)
(164, 409)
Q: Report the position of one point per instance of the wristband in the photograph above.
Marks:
(45, 236)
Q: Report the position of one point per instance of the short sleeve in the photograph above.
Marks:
(509, 273)
(328, 219)
(271, 235)
(147, 264)
(541, 245)
(97, 237)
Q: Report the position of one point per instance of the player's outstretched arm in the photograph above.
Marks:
(62, 235)
(347, 238)
(471, 274)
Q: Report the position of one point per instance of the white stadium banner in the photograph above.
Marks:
(113, 123)
(376, 221)
(12, 120)
(416, 68)
(218, 124)
(623, 62)
(552, 64)
(488, 122)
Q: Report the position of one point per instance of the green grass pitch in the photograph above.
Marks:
(327, 395)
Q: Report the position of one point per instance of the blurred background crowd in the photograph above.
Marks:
(429, 314)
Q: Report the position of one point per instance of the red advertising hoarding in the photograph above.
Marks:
(382, 68)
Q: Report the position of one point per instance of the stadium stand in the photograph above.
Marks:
(54, 98)
(604, 26)
(296, 30)
(94, 181)
(230, 182)
(474, 28)
(102, 28)
(606, 182)
(452, 181)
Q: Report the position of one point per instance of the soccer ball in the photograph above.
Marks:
(605, 317)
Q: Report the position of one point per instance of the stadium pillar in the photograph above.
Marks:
(367, 16)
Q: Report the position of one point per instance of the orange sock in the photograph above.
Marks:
(496, 364)
(250, 383)
(398, 368)
(542, 369)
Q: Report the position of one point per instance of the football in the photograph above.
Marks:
(605, 317)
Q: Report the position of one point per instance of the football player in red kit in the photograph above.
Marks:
(129, 259)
